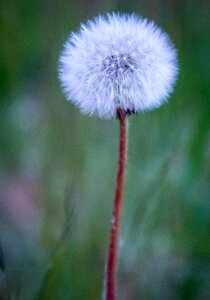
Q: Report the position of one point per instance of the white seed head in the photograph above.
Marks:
(118, 62)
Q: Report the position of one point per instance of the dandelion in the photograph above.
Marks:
(115, 66)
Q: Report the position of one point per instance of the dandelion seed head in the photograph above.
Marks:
(118, 62)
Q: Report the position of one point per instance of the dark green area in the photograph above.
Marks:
(58, 167)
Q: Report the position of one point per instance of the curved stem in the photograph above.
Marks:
(116, 214)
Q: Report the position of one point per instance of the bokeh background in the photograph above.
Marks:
(58, 167)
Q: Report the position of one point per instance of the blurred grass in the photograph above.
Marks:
(58, 167)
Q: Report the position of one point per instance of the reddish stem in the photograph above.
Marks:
(116, 214)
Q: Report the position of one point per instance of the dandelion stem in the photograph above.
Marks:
(116, 214)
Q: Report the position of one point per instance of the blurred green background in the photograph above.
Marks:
(58, 167)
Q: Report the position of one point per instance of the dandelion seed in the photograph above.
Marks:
(118, 62)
